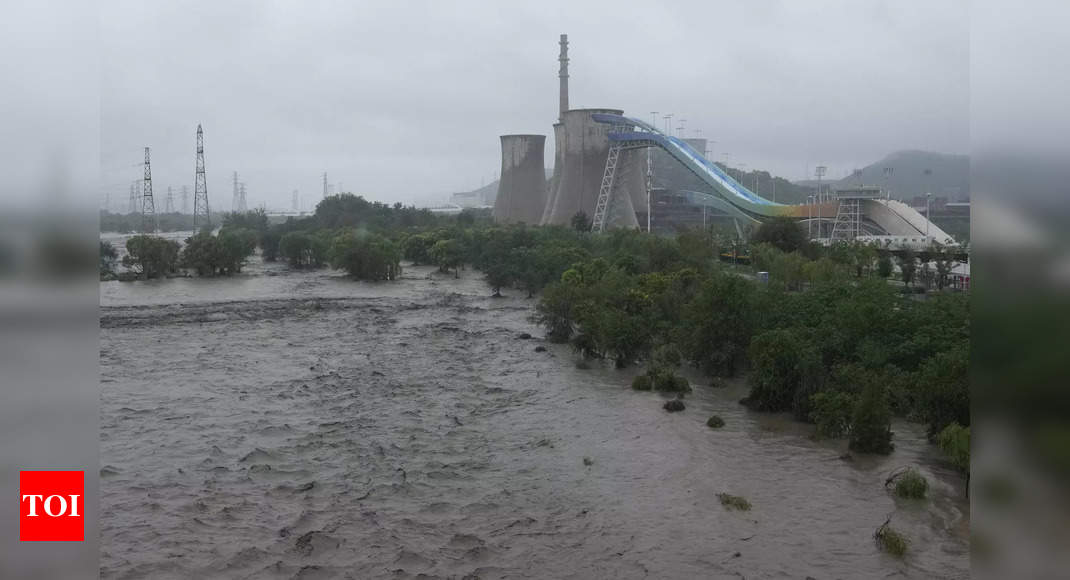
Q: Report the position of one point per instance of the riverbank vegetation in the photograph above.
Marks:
(826, 337)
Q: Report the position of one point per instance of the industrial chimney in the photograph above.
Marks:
(563, 76)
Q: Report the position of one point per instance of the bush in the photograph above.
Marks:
(831, 412)
(715, 422)
(668, 382)
(891, 541)
(734, 502)
(641, 383)
(674, 406)
(871, 423)
(911, 485)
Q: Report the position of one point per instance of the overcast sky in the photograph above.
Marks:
(406, 100)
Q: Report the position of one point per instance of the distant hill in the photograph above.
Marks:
(914, 173)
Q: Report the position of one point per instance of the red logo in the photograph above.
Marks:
(51, 506)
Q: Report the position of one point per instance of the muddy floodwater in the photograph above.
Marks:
(286, 424)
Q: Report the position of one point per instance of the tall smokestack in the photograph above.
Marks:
(563, 75)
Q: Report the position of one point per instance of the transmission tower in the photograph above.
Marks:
(170, 206)
(185, 199)
(242, 206)
(324, 185)
(297, 201)
(234, 200)
(133, 196)
(148, 206)
(201, 214)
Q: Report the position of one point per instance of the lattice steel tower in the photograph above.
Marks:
(201, 215)
(170, 205)
(148, 206)
(134, 195)
(185, 199)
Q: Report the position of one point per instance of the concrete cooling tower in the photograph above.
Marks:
(522, 188)
(559, 164)
(582, 165)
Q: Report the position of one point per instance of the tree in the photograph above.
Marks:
(871, 422)
(780, 365)
(784, 233)
(717, 324)
(151, 256)
(415, 248)
(580, 222)
(831, 411)
(884, 265)
(556, 309)
(108, 258)
(365, 256)
(907, 265)
(448, 254)
(304, 249)
(269, 244)
(943, 395)
(235, 245)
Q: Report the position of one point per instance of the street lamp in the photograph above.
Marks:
(928, 197)
(809, 217)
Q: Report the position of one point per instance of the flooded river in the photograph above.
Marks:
(289, 424)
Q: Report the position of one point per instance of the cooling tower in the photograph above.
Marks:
(583, 161)
(522, 188)
(559, 165)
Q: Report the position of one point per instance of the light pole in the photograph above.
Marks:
(809, 217)
(928, 197)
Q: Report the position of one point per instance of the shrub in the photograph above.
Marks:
(891, 541)
(667, 381)
(641, 383)
(674, 406)
(911, 485)
(715, 422)
(734, 502)
(871, 423)
(831, 412)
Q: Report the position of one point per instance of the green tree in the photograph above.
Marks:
(108, 259)
(780, 365)
(304, 249)
(907, 265)
(448, 254)
(884, 265)
(783, 233)
(718, 323)
(831, 412)
(365, 256)
(580, 222)
(871, 422)
(943, 389)
(151, 256)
